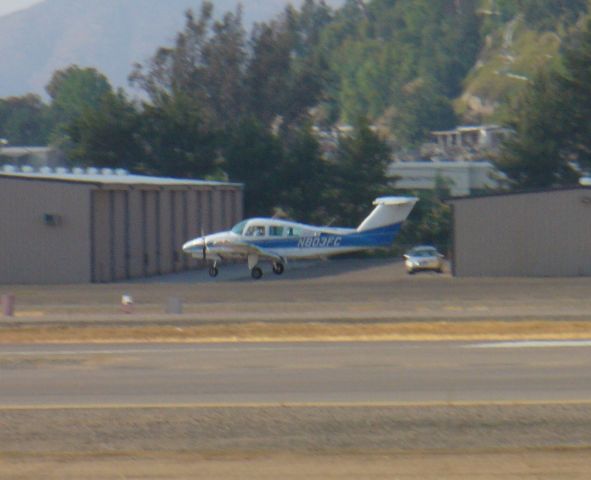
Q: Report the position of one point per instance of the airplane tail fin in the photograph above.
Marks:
(388, 211)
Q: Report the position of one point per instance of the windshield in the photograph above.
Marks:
(239, 227)
(426, 252)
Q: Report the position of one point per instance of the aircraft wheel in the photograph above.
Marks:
(213, 271)
(411, 272)
(278, 268)
(256, 273)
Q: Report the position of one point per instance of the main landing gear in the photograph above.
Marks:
(256, 272)
(278, 268)
(213, 270)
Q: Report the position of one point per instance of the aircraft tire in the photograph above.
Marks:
(256, 273)
(213, 271)
(278, 268)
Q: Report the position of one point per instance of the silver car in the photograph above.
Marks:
(422, 258)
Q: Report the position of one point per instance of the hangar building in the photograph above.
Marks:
(103, 226)
(544, 233)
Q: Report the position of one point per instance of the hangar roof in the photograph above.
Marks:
(107, 177)
(517, 192)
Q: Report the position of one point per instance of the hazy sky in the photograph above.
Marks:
(8, 6)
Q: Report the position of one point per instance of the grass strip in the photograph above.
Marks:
(293, 332)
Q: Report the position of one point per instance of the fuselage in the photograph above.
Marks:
(290, 239)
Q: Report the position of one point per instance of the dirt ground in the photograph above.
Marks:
(338, 290)
(518, 465)
(449, 443)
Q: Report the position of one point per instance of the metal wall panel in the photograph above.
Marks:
(535, 234)
(165, 231)
(151, 233)
(102, 236)
(180, 229)
(31, 251)
(136, 229)
(120, 235)
(193, 222)
(216, 210)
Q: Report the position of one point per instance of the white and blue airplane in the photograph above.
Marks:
(277, 240)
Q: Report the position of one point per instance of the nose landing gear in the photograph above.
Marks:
(213, 270)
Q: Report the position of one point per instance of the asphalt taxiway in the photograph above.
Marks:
(375, 373)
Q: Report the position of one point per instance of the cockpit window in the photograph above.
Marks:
(275, 231)
(239, 227)
(255, 231)
(294, 231)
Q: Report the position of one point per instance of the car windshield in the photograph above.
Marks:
(425, 252)
(239, 227)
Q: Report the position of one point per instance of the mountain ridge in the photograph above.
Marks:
(110, 35)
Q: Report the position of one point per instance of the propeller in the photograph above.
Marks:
(204, 244)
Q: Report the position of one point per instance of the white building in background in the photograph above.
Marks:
(30, 155)
(460, 177)
(457, 158)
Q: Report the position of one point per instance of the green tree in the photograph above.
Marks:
(73, 90)
(205, 65)
(428, 223)
(281, 85)
(254, 156)
(177, 139)
(551, 122)
(543, 14)
(359, 175)
(377, 50)
(24, 120)
(304, 177)
(107, 135)
(419, 111)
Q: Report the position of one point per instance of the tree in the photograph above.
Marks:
(107, 135)
(24, 120)
(253, 155)
(419, 111)
(428, 223)
(542, 14)
(359, 175)
(205, 65)
(281, 84)
(73, 90)
(178, 140)
(375, 51)
(304, 176)
(551, 121)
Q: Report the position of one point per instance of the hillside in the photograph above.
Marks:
(406, 63)
(109, 35)
(508, 62)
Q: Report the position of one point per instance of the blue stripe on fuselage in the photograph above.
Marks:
(378, 237)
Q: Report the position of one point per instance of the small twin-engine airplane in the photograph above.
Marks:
(278, 240)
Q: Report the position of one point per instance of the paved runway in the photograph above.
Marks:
(301, 373)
